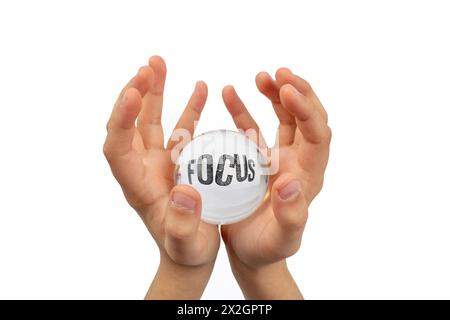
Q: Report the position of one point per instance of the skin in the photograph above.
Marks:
(142, 165)
(258, 246)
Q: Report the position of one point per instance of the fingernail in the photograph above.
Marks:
(290, 190)
(182, 200)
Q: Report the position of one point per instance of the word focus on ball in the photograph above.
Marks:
(226, 168)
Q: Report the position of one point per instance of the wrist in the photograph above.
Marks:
(177, 281)
(266, 282)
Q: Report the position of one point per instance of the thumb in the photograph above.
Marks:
(182, 241)
(291, 213)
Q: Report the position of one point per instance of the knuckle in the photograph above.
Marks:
(280, 250)
(280, 72)
(107, 150)
(306, 86)
(325, 115)
(328, 135)
(319, 186)
(296, 222)
(325, 135)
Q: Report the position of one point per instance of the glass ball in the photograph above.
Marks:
(227, 169)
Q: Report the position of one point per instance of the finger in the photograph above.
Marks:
(118, 148)
(286, 76)
(291, 212)
(183, 241)
(241, 117)
(149, 123)
(121, 126)
(312, 126)
(139, 81)
(286, 130)
(191, 113)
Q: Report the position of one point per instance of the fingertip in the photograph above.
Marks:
(261, 76)
(157, 63)
(282, 73)
(227, 90)
(201, 83)
(199, 96)
(283, 70)
(228, 94)
(156, 59)
(158, 66)
(144, 71)
(262, 80)
(202, 88)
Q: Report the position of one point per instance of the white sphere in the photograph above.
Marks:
(225, 167)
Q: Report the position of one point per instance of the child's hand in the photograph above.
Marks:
(143, 167)
(258, 246)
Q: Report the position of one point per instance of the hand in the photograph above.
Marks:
(258, 245)
(143, 168)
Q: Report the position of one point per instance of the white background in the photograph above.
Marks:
(380, 227)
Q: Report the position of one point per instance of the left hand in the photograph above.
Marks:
(274, 231)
